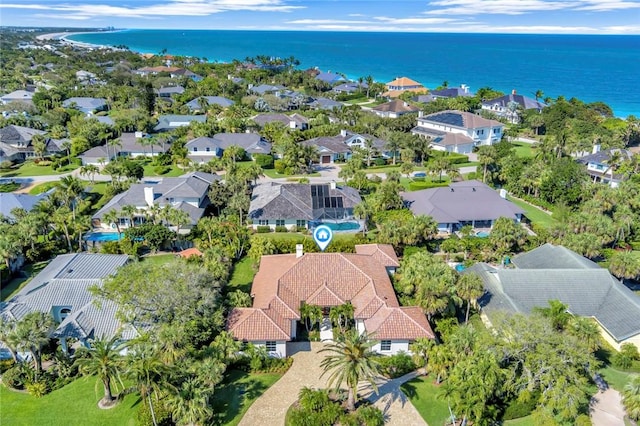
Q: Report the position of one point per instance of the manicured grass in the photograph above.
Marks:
(42, 187)
(534, 214)
(615, 378)
(74, 404)
(523, 149)
(29, 168)
(9, 187)
(159, 259)
(236, 393)
(96, 193)
(174, 172)
(523, 421)
(468, 164)
(12, 287)
(242, 276)
(423, 394)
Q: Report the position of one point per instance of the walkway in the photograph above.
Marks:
(272, 406)
(606, 408)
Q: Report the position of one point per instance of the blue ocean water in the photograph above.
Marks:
(588, 67)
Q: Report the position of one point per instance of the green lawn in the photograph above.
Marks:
(12, 287)
(174, 172)
(159, 259)
(242, 276)
(423, 394)
(523, 421)
(523, 149)
(42, 187)
(615, 378)
(534, 214)
(29, 168)
(237, 392)
(74, 404)
(274, 175)
(9, 187)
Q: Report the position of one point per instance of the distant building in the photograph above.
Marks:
(394, 109)
(171, 122)
(401, 85)
(508, 106)
(196, 104)
(88, 106)
(293, 121)
(23, 96)
(601, 164)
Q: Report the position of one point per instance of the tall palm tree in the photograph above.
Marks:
(350, 361)
(70, 188)
(103, 360)
(130, 212)
(112, 216)
(8, 336)
(33, 333)
(586, 330)
(190, 403)
(631, 397)
(147, 371)
(469, 287)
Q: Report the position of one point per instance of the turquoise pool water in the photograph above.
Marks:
(460, 268)
(482, 234)
(343, 226)
(103, 236)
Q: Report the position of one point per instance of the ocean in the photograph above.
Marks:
(587, 67)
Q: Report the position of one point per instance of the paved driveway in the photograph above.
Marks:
(606, 408)
(272, 406)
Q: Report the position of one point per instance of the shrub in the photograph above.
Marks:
(518, 409)
(144, 418)
(6, 165)
(416, 186)
(263, 229)
(281, 229)
(15, 377)
(6, 364)
(369, 415)
(583, 420)
(624, 359)
(264, 160)
(302, 229)
(380, 162)
(37, 389)
(472, 176)
(396, 365)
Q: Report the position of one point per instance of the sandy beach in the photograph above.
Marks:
(62, 37)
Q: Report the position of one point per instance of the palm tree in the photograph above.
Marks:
(146, 370)
(350, 361)
(586, 330)
(103, 360)
(469, 288)
(90, 171)
(32, 333)
(130, 212)
(631, 397)
(70, 188)
(557, 313)
(39, 143)
(8, 336)
(190, 403)
(112, 216)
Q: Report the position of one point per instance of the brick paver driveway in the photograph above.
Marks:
(272, 406)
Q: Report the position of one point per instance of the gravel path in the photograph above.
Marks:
(272, 406)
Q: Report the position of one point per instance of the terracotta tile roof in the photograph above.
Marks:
(366, 310)
(324, 297)
(403, 82)
(396, 93)
(382, 253)
(190, 252)
(257, 324)
(407, 323)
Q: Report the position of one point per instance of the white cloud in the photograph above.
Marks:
(608, 5)
(167, 8)
(327, 22)
(501, 7)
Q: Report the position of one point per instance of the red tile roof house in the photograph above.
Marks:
(284, 281)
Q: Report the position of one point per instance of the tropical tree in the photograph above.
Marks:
(103, 360)
(557, 313)
(8, 336)
(586, 330)
(112, 216)
(145, 368)
(631, 397)
(625, 264)
(507, 235)
(32, 333)
(39, 143)
(487, 157)
(90, 171)
(350, 361)
(469, 287)
(189, 403)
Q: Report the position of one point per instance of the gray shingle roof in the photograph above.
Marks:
(587, 292)
(85, 104)
(524, 101)
(252, 143)
(10, 201)
(333, 144)
(194, 104)
(548, 256)
(602, 157)
(461, 201)
(168, 122)
(15, 135)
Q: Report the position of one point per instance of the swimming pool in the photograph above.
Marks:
(103, 236)
(482, 234)
(342, 226)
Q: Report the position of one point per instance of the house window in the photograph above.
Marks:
(279, 222)
(263, 222)
(301, 223)
(64, 312)
(195, 149)
(270, 345)
(385, 345)
(208, 149)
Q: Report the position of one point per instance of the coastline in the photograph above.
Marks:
(63, 38)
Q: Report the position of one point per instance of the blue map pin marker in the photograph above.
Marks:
(322, 236)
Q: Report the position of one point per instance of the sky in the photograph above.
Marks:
(466, 16)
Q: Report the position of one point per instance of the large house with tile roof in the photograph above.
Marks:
(189, 194)
(462, 203)
(296, 205)
(340, 147)
(394, 109)
(16, 143)
(401, 85)
(507, 106)
(62, 290)
(285, 281)
(552, 272)
(470, 130)
(293, 121)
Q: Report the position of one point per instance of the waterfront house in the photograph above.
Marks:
(285, 281)
(552, 272)
(296, 205)
(471, 130)
(602, 165)
(349, 87)
(452, 92)
(462, 203)
(509, 106)
(62, 290)
(394, 109)
(172, 72)
(330, 78)
(401, 85)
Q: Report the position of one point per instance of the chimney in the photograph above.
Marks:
(138, 134)
(343, 133)
(420, 114)
(333, 184)
(513, 92)
(292, 124)
(148, 195)
(503, 193)
(299, 250)
(464, 88)
(596, 148)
